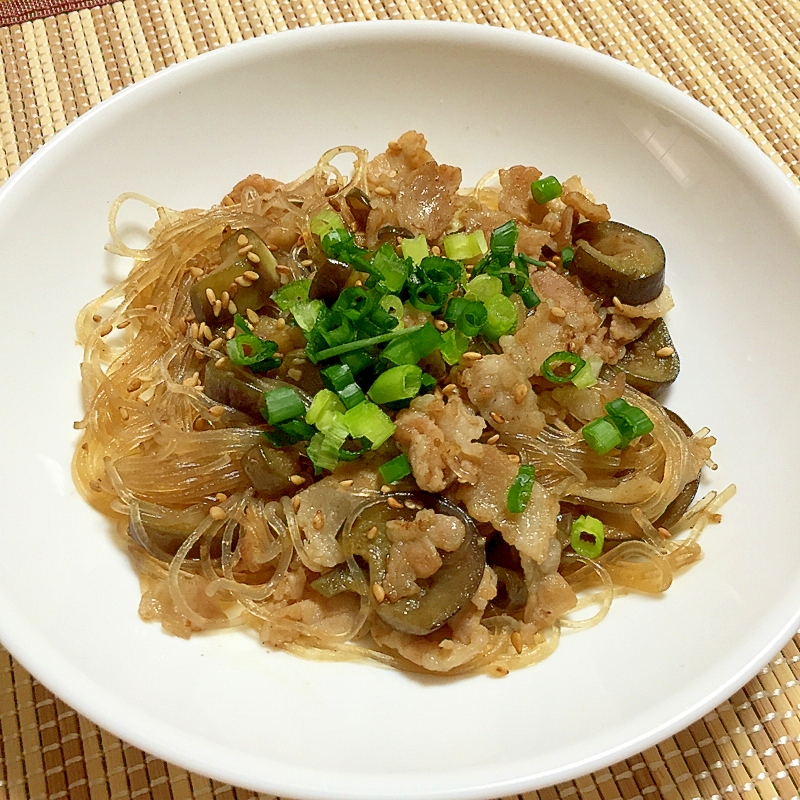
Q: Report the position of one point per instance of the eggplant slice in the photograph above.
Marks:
(644, 369)
(443, 595)
(615, 260)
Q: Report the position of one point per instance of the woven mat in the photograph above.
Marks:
(61, 57)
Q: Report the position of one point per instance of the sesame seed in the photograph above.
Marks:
(319, 520)
(194, 331)
(359, 282)
(232, 307)
(134, 385)
(379, 592)
(664, 532)
(106, 329)
(243, 251)
(216, 411)
(331, 189)
(295, 504)
(96, 318)
(346, 484)
(394, 503)
(217, 343)
(440, 325)
(557, 312)
(201, 424)
(297, 480)
(95, 486)
(372, 532)
(221, 362)
(183, 326)
(514, 458)
(242, 281)
(124, 324)
(498, 671)
(251, 275)
(471, 355)
(498, 418)
(386, 488)
(215, 512)
(254, 257)
(221, 497)
(231, 332)
(493, 439)
(436, 250)
(217, 307)
(211, 296)
(665, 352)
(272, 247)
(281, 323)
(516, 641)
(123, 412)
(151, 307)
(450, 388)
(306, 262)
(208, 334)
(195, 271)
(382, 191)
(520, 393)
(242, 240)
(283, 268)
(226, 298)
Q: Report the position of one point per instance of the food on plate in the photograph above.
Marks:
(369, 413)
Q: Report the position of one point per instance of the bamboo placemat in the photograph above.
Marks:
(61, 57)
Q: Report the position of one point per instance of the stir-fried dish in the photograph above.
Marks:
(369, 413)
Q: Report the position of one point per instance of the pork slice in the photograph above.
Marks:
(426, 199)
(532, 530)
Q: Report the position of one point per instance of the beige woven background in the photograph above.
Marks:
(741, 59)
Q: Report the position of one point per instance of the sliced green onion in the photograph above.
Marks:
(590, 528)
(355, 303)
(397, 383)
(567, 254)
(283, 404)
(519, 493)
(393, 305)
(555, 360)
(336, 377)
(504, 240)
(469, 316)
(501, 317)
(587, 375)
(529, 297)
(292, 293)
(392, 268)
(366, 420)
(351, 395)
(410, 349)
(545, 189)
(326, 221)
(395, 470)
(359, 344)
(358, 361)
(323, 451)
(331, 423)
(453, 345)
(352, 450)
(602, 435)
(483, 287)
(416, 249)
(631, 421)
(247, 350)
(306, 313)
(465, 246)
(323, 403)
(288, 433)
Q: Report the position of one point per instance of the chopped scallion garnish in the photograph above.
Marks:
(416, 249)
(552, 362)
(395, 470)
(283, 404)
(519, 493)
(587, 536)
(601, 435)
(398, 383)
(326, 221)
(545, 189)
(465, 246)
(368, 421)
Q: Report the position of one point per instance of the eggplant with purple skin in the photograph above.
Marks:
(615, 260)
(441, 596)
(644, 369)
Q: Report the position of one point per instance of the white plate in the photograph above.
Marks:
(221, 704)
